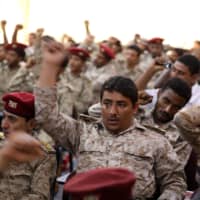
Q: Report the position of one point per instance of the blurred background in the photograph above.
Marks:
(174, 20)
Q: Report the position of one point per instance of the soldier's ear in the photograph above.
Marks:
(31, 124)
(135, 108)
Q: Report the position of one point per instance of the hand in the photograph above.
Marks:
(144, 98)
(40, 31)
(53, 53)
(158, 64)
(3, 24)
(21, 147)
(19, 26)
(30, 62)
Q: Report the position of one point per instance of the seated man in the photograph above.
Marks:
(173, 96)
(115, 141)
(29, 180)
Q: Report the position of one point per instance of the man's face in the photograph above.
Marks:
(76, 64)
(117, 111)
(179, 70)
(100, 60)
(11, 122)
(155, 49)
(131, 56)
(12, 58)
(168, 104)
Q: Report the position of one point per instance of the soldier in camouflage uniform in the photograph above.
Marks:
(75, 89)
(171, 98)
(132, 67)
(14, 55)
(188, 121)
(115, 141)
(101, 69)
(28, 180)
(25, 78)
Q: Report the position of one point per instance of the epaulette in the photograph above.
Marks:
(139, 126)
(154, 128)
(2, 136)
(87, 118)
(47, 142)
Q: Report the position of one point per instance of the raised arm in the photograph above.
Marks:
(62, 128)
(15, 33)
(3, 27)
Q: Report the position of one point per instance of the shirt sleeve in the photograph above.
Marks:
(169, 173)
(43, 176)
(62, 128)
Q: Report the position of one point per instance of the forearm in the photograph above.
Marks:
(143, 80)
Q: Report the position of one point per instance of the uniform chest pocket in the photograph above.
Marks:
(138, 158)
(92, 147)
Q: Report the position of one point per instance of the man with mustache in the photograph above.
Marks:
(173, 96)
(115, 141)
(32, 179)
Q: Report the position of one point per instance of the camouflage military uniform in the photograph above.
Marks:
(28, 181)
(149, 155)
(74, 91)
(188, 121)
(25, 78)
(169, 131)
(5, 78)
(100, 75)
(132, 73)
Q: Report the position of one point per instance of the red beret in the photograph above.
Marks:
(107, 51)
(18, 48)
(19, 103)
(156, 40)
(104, 183)
(80, 52)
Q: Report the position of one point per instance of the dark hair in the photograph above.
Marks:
(123, 85)
(135, 48)
(180, 87)
(191, 62)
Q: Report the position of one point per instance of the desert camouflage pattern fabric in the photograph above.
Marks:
(132, 73)
(28, 181)
(5, 78)
(74, 91)
(188, 122)
(146, 153)
(25, 78)
(169, 131)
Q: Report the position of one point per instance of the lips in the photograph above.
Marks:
(113, 121)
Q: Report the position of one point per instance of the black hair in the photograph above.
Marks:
(123, 85)
(135, 48)
(191, 62)
(180, 87)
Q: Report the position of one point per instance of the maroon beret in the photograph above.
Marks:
(80, 52)
(18, 48)
(156, 40)
(19, 103)
(107, 51)
(102, 184)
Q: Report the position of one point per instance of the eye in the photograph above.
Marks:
(107, 103)
(121, 104)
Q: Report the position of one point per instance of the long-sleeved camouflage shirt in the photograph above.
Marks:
(148, 155)
(188, 121)
(28, 181)
(169, 131)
